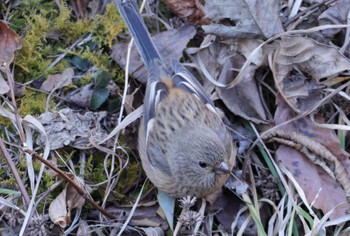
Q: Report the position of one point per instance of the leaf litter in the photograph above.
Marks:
(267, 67)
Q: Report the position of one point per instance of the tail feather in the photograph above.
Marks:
(150, 55)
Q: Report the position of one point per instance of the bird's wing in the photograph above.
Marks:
(183, 79)
(155, 90)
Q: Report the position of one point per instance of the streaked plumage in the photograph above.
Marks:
(184, 146)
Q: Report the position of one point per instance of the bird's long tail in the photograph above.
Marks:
(130, 12)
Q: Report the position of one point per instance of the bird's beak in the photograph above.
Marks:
(222, 168)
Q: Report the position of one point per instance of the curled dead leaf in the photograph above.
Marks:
(337, 14)
(297, 59)
(315, 178)
(317, 154)
(60, 208)
(243, 18)
(4, 87)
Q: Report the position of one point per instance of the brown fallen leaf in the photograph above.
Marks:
(267, 16)
(337, 14)
(58, 81)
(246, 91)
(297, 59)
(145, 215)
(312, 178)
(226, 215)
(81, 96)
(317, 154)
(9, 43)
(69, 199)
(220, 61)
(189, 9)
(243, 18)
(4, 87)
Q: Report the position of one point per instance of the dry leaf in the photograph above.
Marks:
(170, 44)
(311, 177)
(267, 16)
(81, 96)
(337, 14)
(246, 46)
(243, 99)
(209, 56)
(84, 228)
(243, 18)
(144, 215)
(69, 199)
(221, 61)
(9, 43)
(58, 81)
(4, 87)
(189, 9)
(58, 210)
(69, 127)
(313, 59)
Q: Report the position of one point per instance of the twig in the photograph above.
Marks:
(11, 83)
(70, 181)
(14, 171)
(327, 2)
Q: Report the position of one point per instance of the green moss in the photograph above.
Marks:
(86, 79)
(95, 168)
(119, 78)
(37, 50)
(31, 58)
(32, 103)
(130, 175)
(98, 58)
(108, 26)
(48, 31)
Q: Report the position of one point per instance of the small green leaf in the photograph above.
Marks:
(101, 78)
(99, 96)
(113, 104)
(9, 191)
(80, 63)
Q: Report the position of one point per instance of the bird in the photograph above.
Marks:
(184, 145)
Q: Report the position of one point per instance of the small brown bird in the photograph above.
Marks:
(184, 145)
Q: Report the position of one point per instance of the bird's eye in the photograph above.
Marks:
(202, 164)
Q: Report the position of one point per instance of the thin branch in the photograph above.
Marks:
(82, 193)
(14, 171)
(18, 118)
